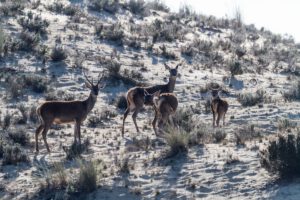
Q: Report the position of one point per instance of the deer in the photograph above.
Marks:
(62, 112)
(135, 96)
(218, 106)
(165, 106)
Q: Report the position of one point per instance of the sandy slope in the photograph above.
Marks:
(201, 174)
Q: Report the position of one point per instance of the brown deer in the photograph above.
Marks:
(165, 106)
(218, 106)
(61, 112)
(135, 96)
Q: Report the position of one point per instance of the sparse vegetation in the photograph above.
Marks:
(58, 54)
(87, 177)
(13, 154)
(177, 141)
(246, 133)
(34, 24)
(282, 155)
(285, 125)
(251, 99)
(19, 136)
(293, 93)
(76, 149)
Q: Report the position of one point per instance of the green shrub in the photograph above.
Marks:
(87, 177)
(110, 6)
(121, 102)
(58, 54)
(282, 156)
(285, 124)
(13, 155)
(177, 141)
(293, 93)
(34, 24)
(19, 136)
(76, 149)
(251, 99)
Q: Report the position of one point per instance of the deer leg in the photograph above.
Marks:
(134, 115)
(78, 131)
(154, 122)
(218, 119)
(37, 132)
(44, 133)
(214, 118)
(75, 133)
(224, 119)
(124, 118)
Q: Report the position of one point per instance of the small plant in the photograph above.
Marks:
(110, 6)
(121, 102)
(87, 177)
(19, 136)
(137, 7)
(2, 42)
(177, 140)
(293, 93)
(251, 99)
(219, 135)
(285, 124)
(23, 111)
(7, 121)
(282, 155)
(13, 154)
(235, 68)
(245, 133)
(58, 54)
(76, 149)
(124, 166)
(34, 24)
(28, 41)
(32, 114)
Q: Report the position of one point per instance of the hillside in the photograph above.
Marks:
(47, 46)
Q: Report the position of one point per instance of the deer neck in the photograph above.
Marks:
(90, 102)
(171, 83)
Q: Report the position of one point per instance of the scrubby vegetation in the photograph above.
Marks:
(282, 155)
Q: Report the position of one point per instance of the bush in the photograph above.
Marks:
(2, 42)
(114, 33)
(110, 6)
(7, 121)
(245, 133)
(251, 99)
(177, 140)
(19, 136)
(34, 24)
(121, 102)
(235, 68)
(99, 118)
(32, 114)
(87, 177)
(137, 7)
(157, 5)
(13, 154)
(285, 124)
(28, 41)
(293, 92)
(11, 8)
(58, 54)
(77, 149)
(282, 155)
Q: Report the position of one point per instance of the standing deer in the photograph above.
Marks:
(218, 106)
(165, 106)
(61, 112)
(135, 96)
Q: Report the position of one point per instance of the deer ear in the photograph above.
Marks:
(101, 86)
(167, 67)
(146, 93)
(88, 85)
(156, 94)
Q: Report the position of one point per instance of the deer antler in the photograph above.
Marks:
(87, 78)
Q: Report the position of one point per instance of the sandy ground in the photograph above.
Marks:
(201, 174)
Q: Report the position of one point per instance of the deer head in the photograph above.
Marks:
(94, 87)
